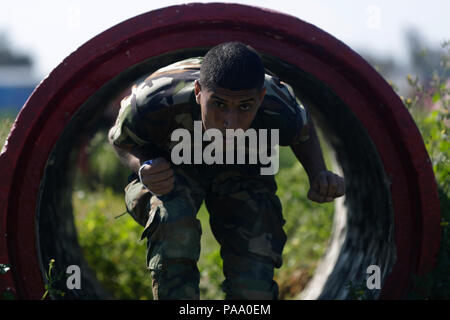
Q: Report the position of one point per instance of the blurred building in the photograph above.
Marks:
(16, 78)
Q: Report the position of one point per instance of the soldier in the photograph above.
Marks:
(226, 89)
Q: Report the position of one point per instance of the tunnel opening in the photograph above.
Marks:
(363, 227)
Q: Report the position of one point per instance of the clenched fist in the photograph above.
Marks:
(158, 176)
(326, 187)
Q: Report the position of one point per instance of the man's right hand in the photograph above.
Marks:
(158, 177)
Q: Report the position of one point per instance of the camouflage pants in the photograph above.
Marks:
(245, 218)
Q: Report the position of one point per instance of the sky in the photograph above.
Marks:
(51, 29)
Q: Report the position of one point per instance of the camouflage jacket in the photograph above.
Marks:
(165, 101)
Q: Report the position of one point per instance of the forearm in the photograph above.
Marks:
(309, 153)
(129, 159)
(132, 159)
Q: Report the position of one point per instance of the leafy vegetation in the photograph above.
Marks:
(52, 277)
(435, 126)
(5, 126)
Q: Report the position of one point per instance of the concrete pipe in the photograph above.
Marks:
(390, 215)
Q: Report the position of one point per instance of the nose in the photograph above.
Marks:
(231, 120)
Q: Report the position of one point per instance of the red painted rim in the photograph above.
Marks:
(51, 105)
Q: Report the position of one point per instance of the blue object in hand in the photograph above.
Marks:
(140, 169)
(147, 162)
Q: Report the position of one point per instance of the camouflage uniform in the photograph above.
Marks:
(245, 212)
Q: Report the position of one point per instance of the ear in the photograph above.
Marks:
(197, 91)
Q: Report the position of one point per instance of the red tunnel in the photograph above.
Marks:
(289, 44)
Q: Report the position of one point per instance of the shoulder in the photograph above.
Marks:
(280, 98)
(168, 86)
(281, 110)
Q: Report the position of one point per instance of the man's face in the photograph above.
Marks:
(228, 109)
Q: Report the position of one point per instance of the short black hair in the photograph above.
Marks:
(233, 66)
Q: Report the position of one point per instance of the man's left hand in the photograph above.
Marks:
(326, 186)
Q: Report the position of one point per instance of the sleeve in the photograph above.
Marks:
(125, 132)
(298, 124)
(302, 132)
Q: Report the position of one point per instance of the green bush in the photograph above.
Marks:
(5, 126)
(102, 167)
(434, 127)
(111, 245)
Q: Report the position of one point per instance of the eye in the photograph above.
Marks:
(219, 104)
(245, 107)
